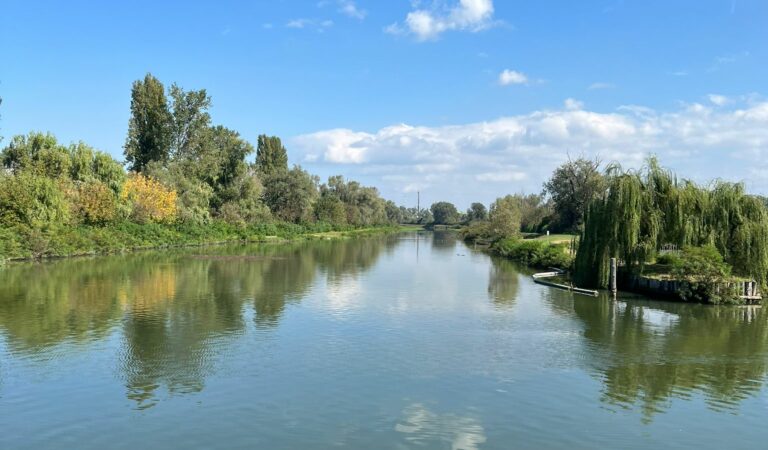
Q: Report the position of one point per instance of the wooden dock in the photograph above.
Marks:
(541, 278)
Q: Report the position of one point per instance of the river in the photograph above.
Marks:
(402, 341)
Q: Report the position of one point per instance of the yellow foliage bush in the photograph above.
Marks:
(150, 200)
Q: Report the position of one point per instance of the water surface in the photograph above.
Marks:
(403, 341)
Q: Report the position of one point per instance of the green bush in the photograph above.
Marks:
(32, 200)
(534, 252)
(668, 259)
(479, 230)
(705, 273)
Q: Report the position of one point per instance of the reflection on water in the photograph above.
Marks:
(503, 282)
(174, 311)
(407, 341)
(648, 353)
(421, 427)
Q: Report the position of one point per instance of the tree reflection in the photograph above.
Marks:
(175, 311)
(648, 353)
(444, 241)
(503, 282)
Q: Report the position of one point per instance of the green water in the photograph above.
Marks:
(404, 341)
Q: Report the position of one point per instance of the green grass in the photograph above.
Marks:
(556, 238)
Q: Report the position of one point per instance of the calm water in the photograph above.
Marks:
(395, 342)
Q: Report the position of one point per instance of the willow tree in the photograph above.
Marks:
(640, 211)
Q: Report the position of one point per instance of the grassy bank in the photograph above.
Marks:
(20, 243)
(540, 252)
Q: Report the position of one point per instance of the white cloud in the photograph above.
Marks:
(505, 176)
(600, 85)
(483, 160)
(508, 77)
(428, 24)
(718, 100)
(350, 9)
(573, 104)
(339, 146)
(316, 24)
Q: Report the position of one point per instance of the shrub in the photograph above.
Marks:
(668, 259)
(705, 274)
(534, 252)
(95, 203)
(479, 230)
(150, 200)
(32, 200)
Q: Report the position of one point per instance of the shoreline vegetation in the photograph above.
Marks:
(184, 182)
(691, 242)
(128, 237)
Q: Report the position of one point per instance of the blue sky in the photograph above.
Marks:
(462, 99)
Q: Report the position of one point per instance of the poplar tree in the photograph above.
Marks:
(149, 128)
(271, 156)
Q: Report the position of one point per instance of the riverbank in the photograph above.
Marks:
(19, 244)
(539, 252)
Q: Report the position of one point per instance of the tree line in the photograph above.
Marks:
(181, 169)
(558, 208)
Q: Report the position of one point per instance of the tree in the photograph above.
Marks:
(271, 156)
(330, 209)
(394, 213)
(477, 211)
(572, 187)
(646, 209)
(189, 117)
(363, 204)
(504, 217)
(424, 216)
(225, 153)
(290, 195)
(32, 200)
(38, 153)
(534, 212)
(444, 213)
(194, 194)
(150, 126)
(88, 164)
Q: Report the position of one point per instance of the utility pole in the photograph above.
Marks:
(418, 202)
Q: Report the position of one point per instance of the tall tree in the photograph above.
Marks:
(190, 118)
(477, 211)
(534, 211)
(271, 156)
(444, 213)
(572, 187)
(504, 217)
(149, 129)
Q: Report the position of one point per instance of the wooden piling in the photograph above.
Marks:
(614, 269)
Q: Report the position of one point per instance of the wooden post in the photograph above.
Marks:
(614, 269)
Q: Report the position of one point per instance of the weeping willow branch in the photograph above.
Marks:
(642, 210)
